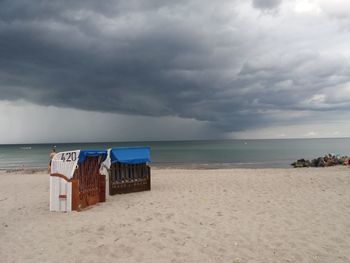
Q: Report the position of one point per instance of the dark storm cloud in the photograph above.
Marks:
(163, 58)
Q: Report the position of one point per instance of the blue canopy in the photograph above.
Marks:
(91, 153)
(134, 155)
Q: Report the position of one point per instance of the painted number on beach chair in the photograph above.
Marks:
(69, 157)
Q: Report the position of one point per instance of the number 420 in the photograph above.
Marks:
(69, 157)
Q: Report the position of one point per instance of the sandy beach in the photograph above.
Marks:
(231, 215)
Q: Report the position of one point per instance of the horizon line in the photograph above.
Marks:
(187, 140)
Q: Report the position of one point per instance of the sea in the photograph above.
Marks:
(206, 154)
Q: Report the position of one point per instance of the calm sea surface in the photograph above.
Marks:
(205, 154)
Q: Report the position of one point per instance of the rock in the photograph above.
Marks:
(329, 163)
(314, 163)
(301, 163)
(321, 162)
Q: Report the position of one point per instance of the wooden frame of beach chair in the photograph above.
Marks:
(88, 185)
(128, 178)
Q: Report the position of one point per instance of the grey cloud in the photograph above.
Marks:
(194, 61)
(266, 4)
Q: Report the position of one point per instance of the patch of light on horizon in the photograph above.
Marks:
(325, 130)
(311, 134)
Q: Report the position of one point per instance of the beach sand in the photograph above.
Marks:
(233, 215)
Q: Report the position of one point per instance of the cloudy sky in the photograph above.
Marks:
(157, 69)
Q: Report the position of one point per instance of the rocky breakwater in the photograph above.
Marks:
(325, 161)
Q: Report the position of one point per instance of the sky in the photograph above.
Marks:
(79, 71)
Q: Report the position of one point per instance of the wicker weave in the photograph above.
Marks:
(128, 178)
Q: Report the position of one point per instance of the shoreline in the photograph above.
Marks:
(175, 165)
(185, 168)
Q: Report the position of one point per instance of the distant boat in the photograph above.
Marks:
(26, 148)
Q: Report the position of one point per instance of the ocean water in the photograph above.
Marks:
(201, 154)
